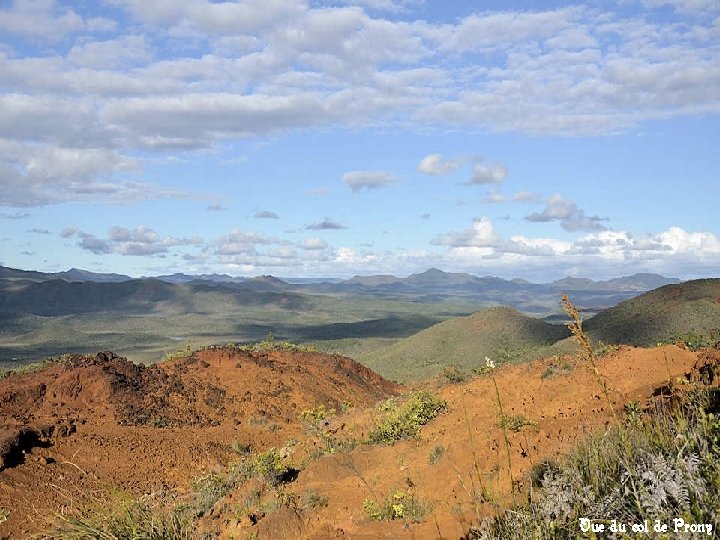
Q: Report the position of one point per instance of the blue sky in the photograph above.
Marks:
(332, 138)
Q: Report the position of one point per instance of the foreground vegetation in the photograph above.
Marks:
(657, 467)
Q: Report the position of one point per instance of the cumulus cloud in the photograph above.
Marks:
(193, 17)
(314, 244)
(437, 165)
(239, 242)
(359, 180)
(674, 251)
(42, 174)
(258, 67)
(481, 234)
(566, 212)
(393, 6)
(140, 241)
(488, 174)
(326, 224)
(42, 19)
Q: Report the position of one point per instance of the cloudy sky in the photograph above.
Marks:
(335, 137)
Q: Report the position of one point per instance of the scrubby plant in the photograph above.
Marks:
(436, 454)
(270, 344)
(515, 423)
(403, 421)
(672, 457)
(485, 369)
(453, 375)
(208, 489)
(558, 366)
(695, 340)
(125, 519)
(312, 500)
(316, 415)
(400, 504)
(316, 422)
(269, 466)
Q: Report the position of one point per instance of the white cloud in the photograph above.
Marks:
(571, 217)
(359, 180)
(437, 165)
(42, 174)
(258, 67)
(670, 252)
(191, 17)
(314, 244)
(392, 6)
(488, 174)
(138, 242)
(39, 19)
(482, 234)
(115, 53)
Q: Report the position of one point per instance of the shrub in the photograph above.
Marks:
(312, 500)
(515, 422)
(270, 467)
(399, 505)
(453, 375)
(404, 421)
(271, 344)
(208, 489)
(316, 415)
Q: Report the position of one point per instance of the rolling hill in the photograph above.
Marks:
(687, 312)
(674, 311)
(500, 332)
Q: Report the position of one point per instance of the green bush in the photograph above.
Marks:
(404, 421)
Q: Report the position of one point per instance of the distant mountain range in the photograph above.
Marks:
(368, 317)
(431, 279)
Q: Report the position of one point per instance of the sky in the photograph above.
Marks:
(308, 138)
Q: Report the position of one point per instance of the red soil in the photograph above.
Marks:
(88, 423)
(82, 426)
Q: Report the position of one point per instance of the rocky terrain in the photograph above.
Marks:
(83, 431)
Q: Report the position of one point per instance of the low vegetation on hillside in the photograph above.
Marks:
(501, 333)
(688, 312)
(652, 468)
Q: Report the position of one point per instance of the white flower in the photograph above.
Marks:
(489, 363)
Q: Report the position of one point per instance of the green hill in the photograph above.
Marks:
(689, 310)
(501, 333)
